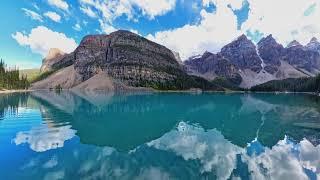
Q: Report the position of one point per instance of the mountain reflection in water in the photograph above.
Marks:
(160, 136)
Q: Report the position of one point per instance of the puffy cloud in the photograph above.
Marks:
(212, 32)
(53, 16)
(41, 40)
(234, 4)
(110, 10)
(286, 20)
(155, 8)
(215, 29)
(32, 14)
(77, 27)
(61, 4)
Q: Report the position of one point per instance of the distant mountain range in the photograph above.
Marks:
(124, 60)
(247, 65)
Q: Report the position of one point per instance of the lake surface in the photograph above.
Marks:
(48, 135)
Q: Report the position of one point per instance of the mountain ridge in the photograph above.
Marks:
(125, 58)
(134, 61)
(265, 61)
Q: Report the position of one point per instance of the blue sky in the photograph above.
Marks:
(31, 27)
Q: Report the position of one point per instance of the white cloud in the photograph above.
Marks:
(106, 28)
(234, 4)
(155, 8)
(32, 14)
(135, 31)
(212, 32)
(35, 6)
(117, 8)
(61, 4)
(88, 11)
(53, 16)
(77, 27)
(110, 10)
(285, 20)
(41, 40)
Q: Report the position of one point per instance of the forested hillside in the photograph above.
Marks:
(294, 85)
(10, 78)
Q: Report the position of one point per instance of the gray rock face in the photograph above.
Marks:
(302, 58)
(242, 53)
(54, 56)
(213, 65)
(271, 52)
(295, 54)
(127, 57)
(294, 43)
(256, 65)
(313, 45)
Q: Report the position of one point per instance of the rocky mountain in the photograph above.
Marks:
(295, 44)
(257, 64)
(313, 45)
(54, 55)
(243, 54)
(120, 60)
(123, 60)
(302, 58)
(211, 65)
(271, 52)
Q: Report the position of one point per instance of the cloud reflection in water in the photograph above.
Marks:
(217, 157)
(44, 138)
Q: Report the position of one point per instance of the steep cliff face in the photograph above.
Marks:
(313, 45)
(127, 57)
(267, 61)
(271, 52)
(243, 54)
(211, 65)
(302, 58)
(130, 59)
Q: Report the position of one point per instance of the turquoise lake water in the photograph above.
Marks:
(48, 135)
